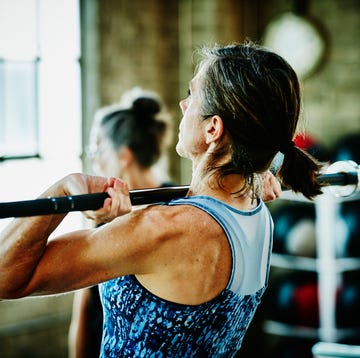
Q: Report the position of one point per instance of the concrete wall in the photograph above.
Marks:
(35, 327)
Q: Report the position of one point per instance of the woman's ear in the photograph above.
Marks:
(214, 129)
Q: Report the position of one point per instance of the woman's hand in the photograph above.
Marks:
(118, 203)
(271, 187)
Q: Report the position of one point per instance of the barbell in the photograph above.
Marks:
(342, 176)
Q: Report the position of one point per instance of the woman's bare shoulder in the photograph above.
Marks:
(169, 217)
(166, 221)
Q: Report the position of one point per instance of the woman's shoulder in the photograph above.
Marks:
(170, 218)
(171, 213)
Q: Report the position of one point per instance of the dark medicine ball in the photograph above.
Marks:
(348, 302)
(293, 299)
(350, 238)
(294, 228)
(346, 148)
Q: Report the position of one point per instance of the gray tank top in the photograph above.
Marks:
(138, 323)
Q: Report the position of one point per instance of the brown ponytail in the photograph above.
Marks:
(299, 171)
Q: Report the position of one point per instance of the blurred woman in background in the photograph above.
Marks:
(126, 141)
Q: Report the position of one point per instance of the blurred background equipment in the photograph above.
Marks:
(347, 147)
(348, 302)
(314, 295)
(293, 299)
(294, 229)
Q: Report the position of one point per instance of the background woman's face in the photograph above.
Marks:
(105, 159)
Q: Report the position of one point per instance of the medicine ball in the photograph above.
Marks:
(350, 217)
(293, 299)
(346, 148)
(348, 303)
(294, 228)
(280, 305)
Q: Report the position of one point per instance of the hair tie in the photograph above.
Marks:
(286, 147)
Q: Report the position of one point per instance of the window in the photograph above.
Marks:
(18, 109)
(40, 95)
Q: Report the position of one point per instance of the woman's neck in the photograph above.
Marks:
(229, 191)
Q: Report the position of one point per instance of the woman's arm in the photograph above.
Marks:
(25, 244)
(169, 248)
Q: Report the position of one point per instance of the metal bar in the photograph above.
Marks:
(4, 158)
(350, 178)
(64, 204)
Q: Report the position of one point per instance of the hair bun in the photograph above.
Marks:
(146, 106)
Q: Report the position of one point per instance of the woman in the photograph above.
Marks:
(181, 279)
(126, 141)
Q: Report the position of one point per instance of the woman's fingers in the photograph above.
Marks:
(271, 187)
(116, 205)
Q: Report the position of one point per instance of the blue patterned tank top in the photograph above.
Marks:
(137, 323)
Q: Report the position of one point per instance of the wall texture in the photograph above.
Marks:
(151, 44)
(331, 97)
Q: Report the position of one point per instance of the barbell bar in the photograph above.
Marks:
(345, 178)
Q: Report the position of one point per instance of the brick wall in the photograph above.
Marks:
(151, 44)
(331, 97)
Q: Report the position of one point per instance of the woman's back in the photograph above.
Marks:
(212, 328)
